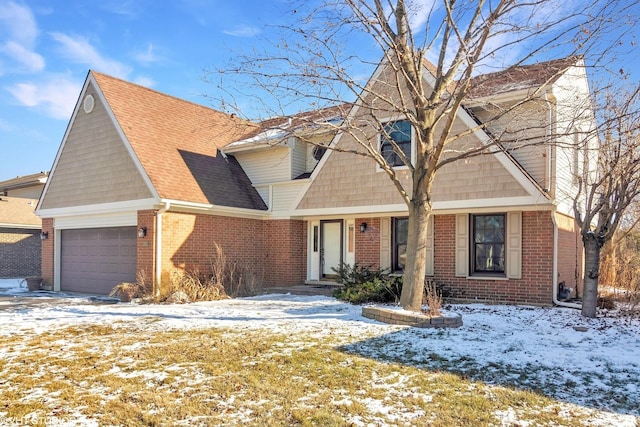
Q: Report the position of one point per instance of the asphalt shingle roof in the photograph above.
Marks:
(18, 211)
(177, 142)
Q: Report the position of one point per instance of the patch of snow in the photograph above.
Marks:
(11, 286)
(535, 347)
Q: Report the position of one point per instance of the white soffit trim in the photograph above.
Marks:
(192, 207)
(497, 204)
(99, 209)
(123, 219)
(21, 226)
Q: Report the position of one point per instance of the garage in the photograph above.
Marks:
(94, 260)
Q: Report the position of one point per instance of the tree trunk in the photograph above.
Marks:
(592, 270)
(415, 266)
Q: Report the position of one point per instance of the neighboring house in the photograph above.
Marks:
(20, 227)
(147, 182)
(19, 237)
(28, 186)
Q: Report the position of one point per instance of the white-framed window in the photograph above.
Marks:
(400, 132)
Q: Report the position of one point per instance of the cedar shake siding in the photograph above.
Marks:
(94, 166)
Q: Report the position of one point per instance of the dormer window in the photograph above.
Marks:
(399, 132)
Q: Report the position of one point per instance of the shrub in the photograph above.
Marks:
(127, 291)
(361, 284)
(189, 286)
(432, 297)
(226, 279)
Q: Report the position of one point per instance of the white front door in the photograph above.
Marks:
(330, 247)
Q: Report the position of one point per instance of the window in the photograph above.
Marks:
(400, 133)
(488, 243)
(400, 233)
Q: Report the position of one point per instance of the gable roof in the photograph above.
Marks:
(18, 212)
(161, 129)
(24, 181)
(276, 129)
(520, 78)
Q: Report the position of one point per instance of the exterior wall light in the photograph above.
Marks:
(363, 227)
(44, 235)
(142, 232)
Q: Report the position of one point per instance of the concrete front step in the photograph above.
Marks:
(325, 289)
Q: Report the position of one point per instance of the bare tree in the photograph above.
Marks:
(431, 51)
(606, 195)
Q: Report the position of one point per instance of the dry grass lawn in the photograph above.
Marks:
(131, 374)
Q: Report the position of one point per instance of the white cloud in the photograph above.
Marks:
(19, 23)
(147, 57)
(242, 31)
(80, 51)
(419, 13)
(145, 81)
(19, 27)
(32, 61)
(57, 95)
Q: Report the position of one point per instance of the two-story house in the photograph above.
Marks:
(147, 182)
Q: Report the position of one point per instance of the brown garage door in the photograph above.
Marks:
(94, 260)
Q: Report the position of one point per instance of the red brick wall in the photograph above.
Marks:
(146, 247)
(570, 250)
(535, 286)
(189, 242)
(368, 243)
(273, 252)
(285, 256)
(47, 266)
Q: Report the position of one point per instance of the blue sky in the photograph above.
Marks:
(47, 48)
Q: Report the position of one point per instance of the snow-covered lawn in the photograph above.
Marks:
(593, 375)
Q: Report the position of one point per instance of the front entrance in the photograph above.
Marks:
(330, 247)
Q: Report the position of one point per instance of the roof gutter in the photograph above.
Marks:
(556, 301)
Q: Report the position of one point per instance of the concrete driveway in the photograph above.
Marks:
(15, 296)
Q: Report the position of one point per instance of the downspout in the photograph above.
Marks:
(158, 255)
(556, 301)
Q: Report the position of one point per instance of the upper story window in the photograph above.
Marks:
(488, 243)
(400, 133)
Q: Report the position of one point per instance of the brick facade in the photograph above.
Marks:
(570, 255)
(368, 243)
(145, 265)
(535, 286)
(272, 253)
(20, 252)
(47, 266)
